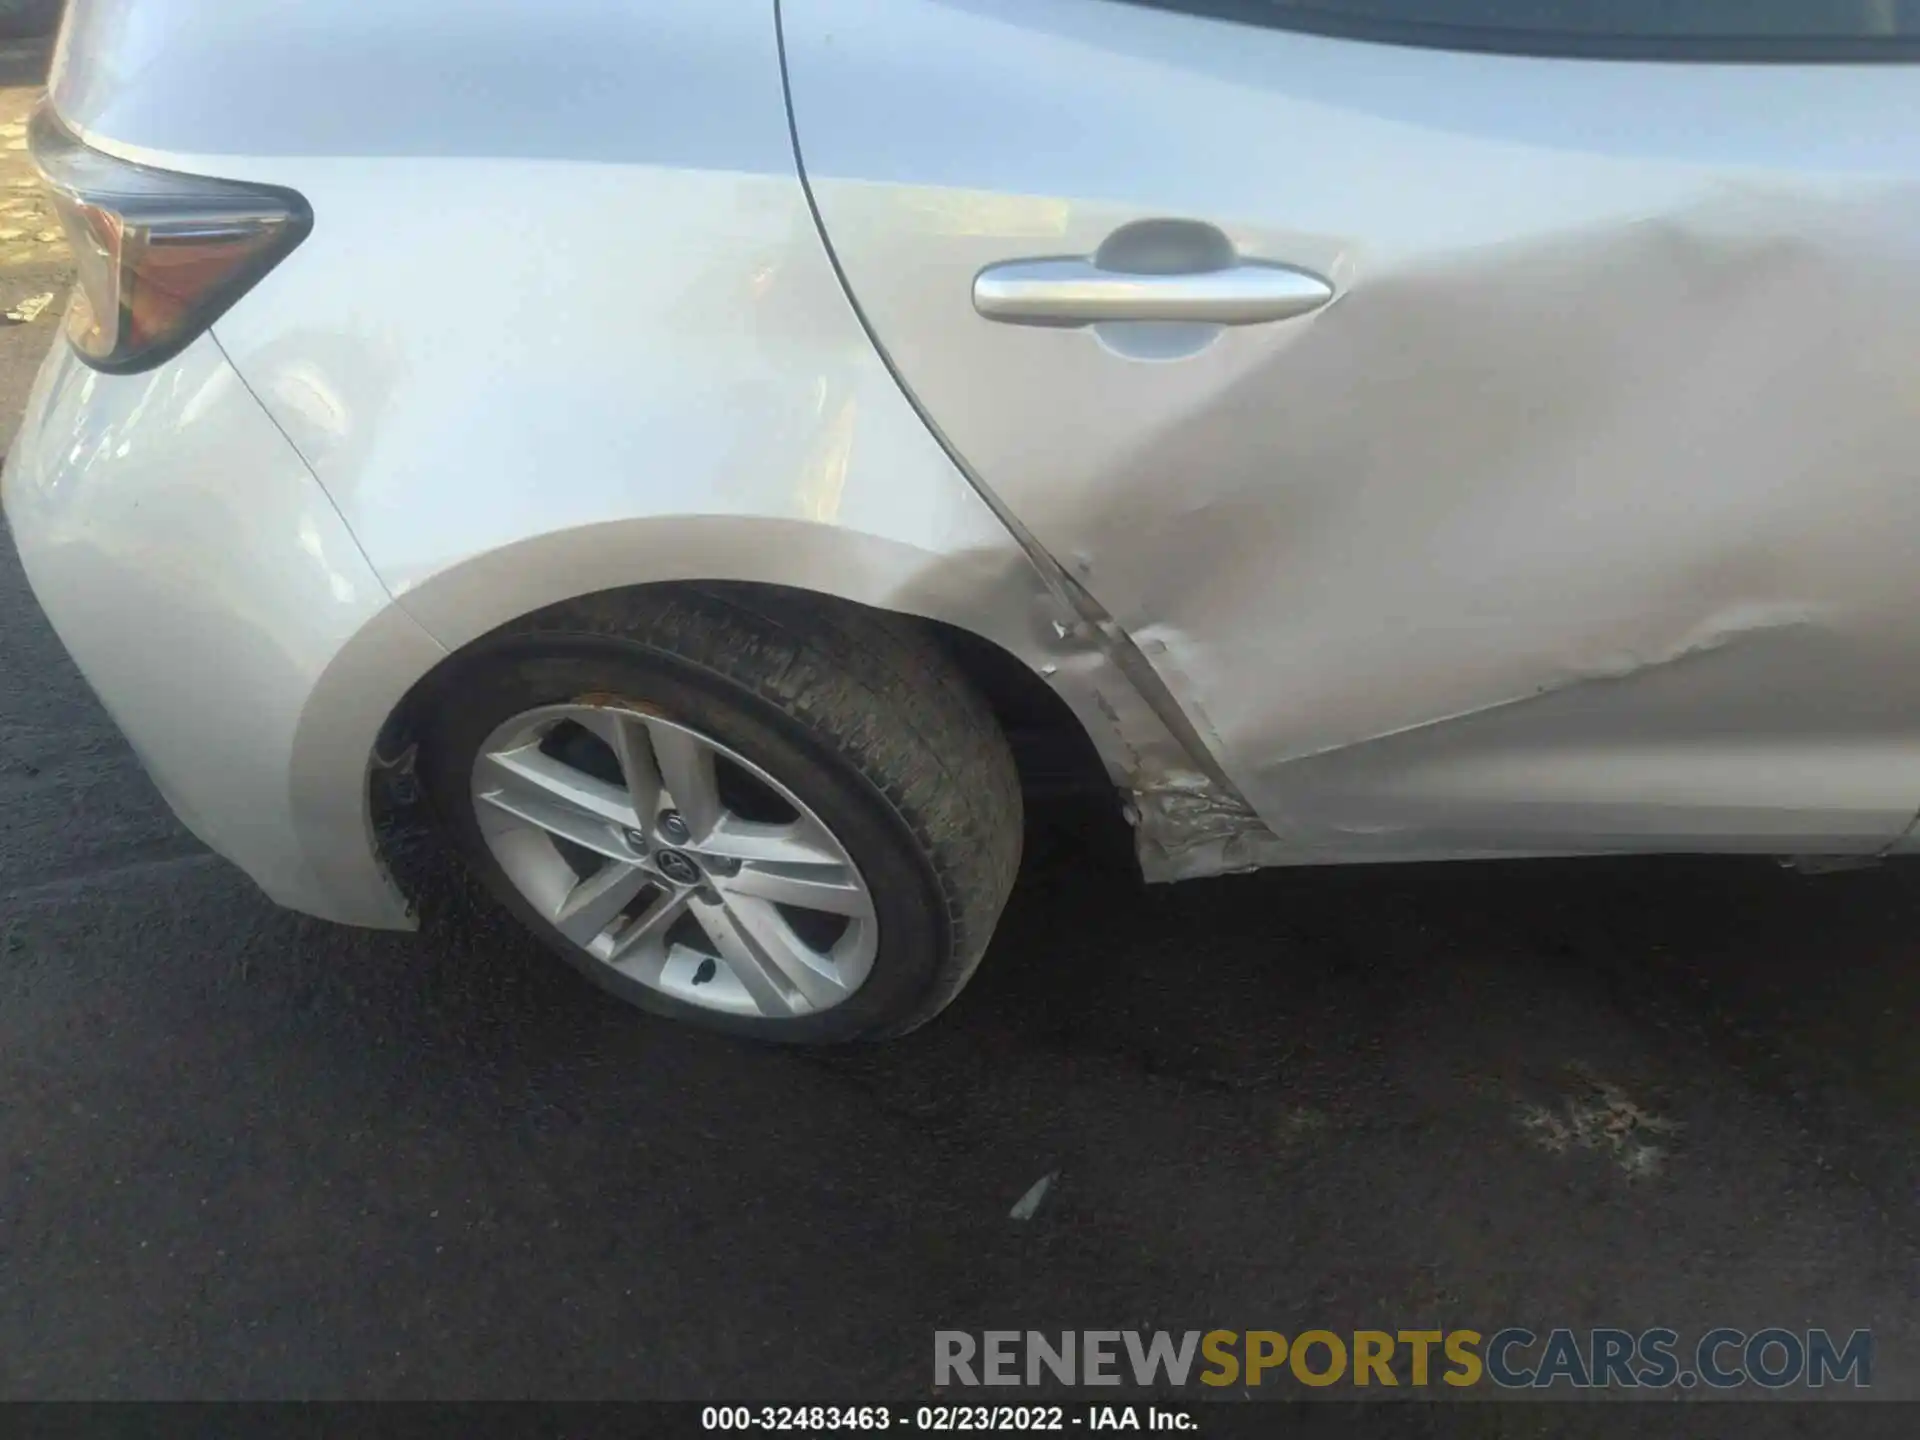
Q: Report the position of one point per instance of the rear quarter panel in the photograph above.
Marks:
(565, 321)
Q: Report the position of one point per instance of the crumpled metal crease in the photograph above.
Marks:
(1582, 519)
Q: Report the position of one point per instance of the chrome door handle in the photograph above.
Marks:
(1079, 292)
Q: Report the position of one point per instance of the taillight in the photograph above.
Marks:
(160, 256)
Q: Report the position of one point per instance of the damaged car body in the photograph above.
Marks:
(1579, 519)
(1402, 431)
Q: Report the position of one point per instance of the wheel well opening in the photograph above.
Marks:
(1051, 748)
(1055, 758)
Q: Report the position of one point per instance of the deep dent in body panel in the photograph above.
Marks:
(1190, 818)
(1195, 830)
(1185, 812)
(1661, 358)
(1738, 622)
(1750, 567)
(1580, 521)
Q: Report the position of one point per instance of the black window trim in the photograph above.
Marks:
(1478, 40)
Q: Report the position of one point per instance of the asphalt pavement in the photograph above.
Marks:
(244, 1154)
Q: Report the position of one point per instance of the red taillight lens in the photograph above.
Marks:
(160, 256)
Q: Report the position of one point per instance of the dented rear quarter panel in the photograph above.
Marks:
(565, 322)
(1582, 519)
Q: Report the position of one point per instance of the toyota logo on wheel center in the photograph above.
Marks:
(677, 867)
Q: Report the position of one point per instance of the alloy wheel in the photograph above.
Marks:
(674, 861)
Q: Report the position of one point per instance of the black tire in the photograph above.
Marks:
(860, 714)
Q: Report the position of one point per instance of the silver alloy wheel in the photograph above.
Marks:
(626, 831)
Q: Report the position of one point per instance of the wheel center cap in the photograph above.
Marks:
(677, 867)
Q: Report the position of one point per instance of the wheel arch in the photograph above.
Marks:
(983, 604)
(1053, 746)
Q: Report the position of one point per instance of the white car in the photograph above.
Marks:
(709, 440)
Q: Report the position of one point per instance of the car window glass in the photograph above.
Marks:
(1725, 19)
(1679, 29)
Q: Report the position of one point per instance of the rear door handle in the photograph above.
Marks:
(1079, 292)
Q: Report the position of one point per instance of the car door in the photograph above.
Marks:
(1501, 436)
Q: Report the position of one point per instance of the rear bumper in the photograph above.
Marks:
(222, 612)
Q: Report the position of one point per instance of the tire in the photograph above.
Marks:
(857, 718)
